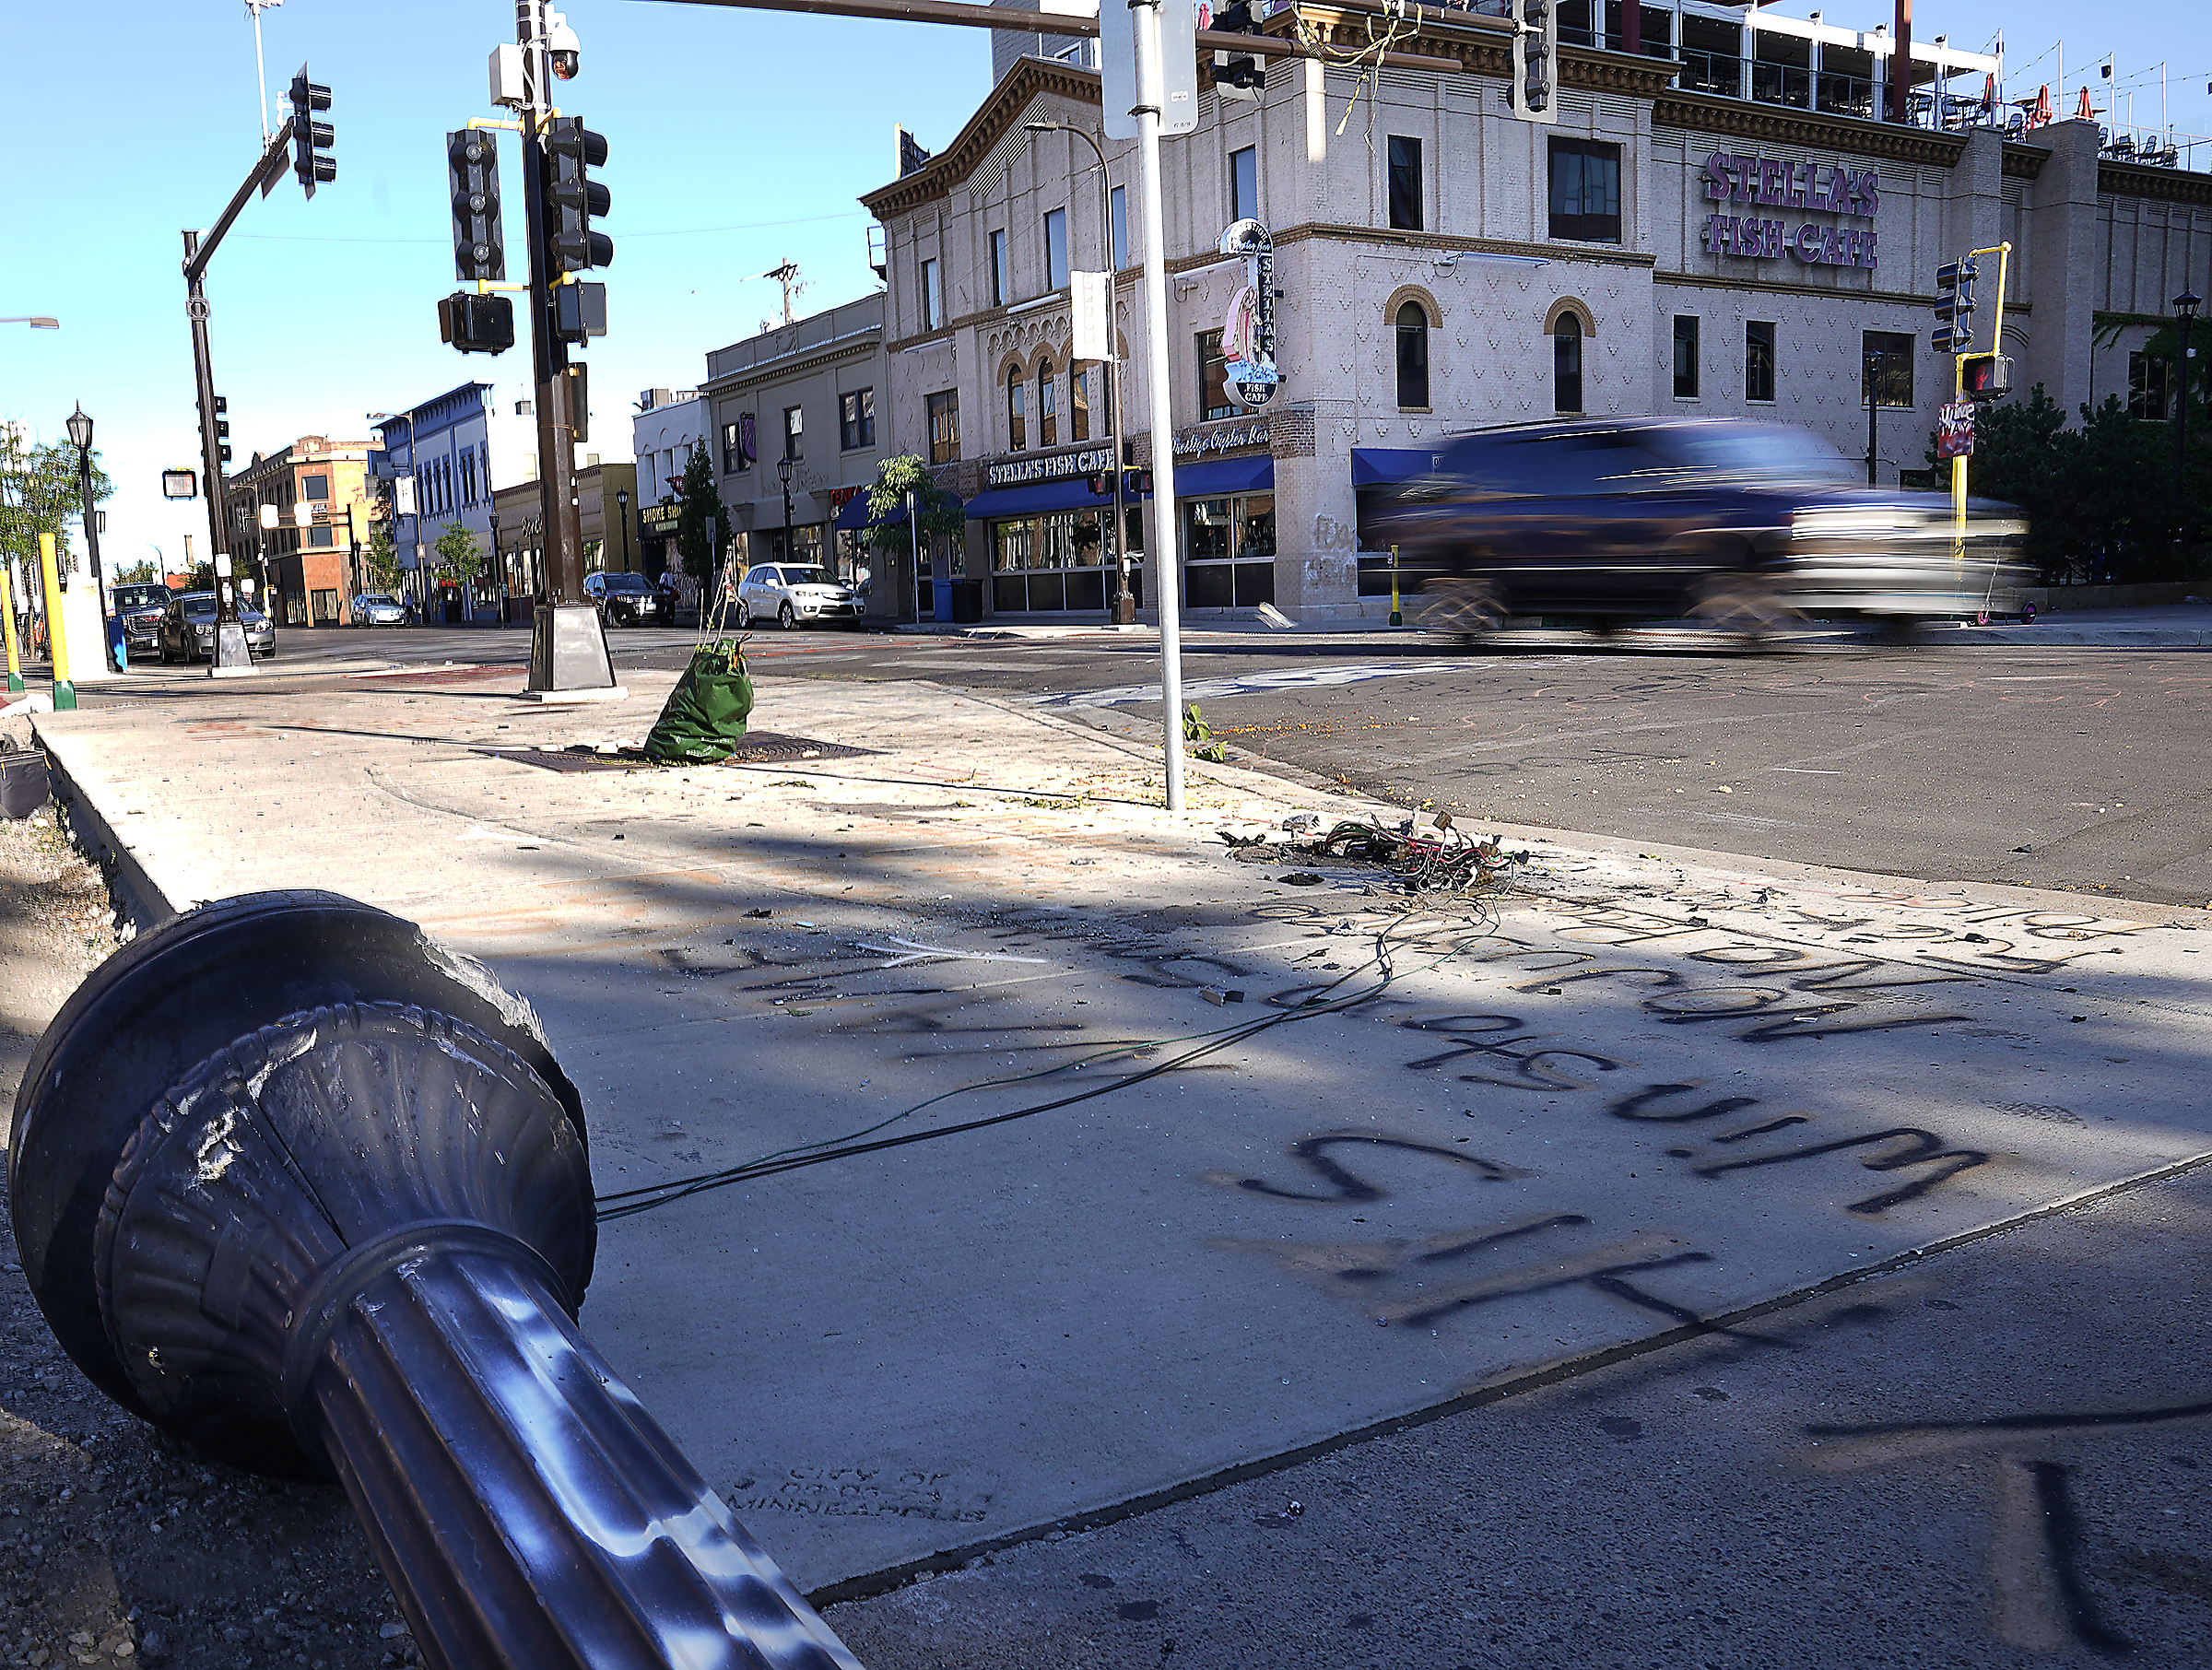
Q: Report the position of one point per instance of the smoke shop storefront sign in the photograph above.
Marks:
(1824, 188)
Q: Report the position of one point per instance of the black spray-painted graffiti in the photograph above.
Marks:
(1908, 1146)
(1420, 1283)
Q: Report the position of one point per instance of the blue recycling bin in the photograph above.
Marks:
(119, 649)
(940, 598)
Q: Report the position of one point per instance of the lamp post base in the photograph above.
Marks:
(568, 653)
(233, 658)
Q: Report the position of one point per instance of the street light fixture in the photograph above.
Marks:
(80, 437)
(622, 502)
(783, 475)
(1125, 604)
(37, 322)
(499, 562)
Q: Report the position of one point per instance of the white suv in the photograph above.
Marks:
(788, 592)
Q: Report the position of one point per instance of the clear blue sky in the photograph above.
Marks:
(736, 138)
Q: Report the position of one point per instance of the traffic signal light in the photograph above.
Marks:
(1954, 306)
(476, 323)
(579, 311)
(222, 426)
(471, 164)
(1535, 59)
(573, 199)
(1235, 76)
(310, 139)
(1985, 376)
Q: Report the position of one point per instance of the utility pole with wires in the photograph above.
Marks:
(787, 275)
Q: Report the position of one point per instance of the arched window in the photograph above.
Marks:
(1567, 364)
(1017, 412)
(1048, 405)
(1413, 356)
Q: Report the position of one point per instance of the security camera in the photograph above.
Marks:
(562, 48)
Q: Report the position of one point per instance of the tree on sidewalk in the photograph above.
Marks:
(703, 525)
(43, 493)
(380, 563)
(457, 554)
(940, 512)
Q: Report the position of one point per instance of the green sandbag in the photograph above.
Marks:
(706, 712)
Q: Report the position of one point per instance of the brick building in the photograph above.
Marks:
(306, 562)
(1759, 248)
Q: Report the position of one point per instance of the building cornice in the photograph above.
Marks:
(993, 121)
(2168, 184)
(798, 363)
(2024, 161)
(1706, 114)
(1482, 46)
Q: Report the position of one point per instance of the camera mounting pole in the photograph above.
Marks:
(569, 658)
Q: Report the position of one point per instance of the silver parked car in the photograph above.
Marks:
(788, 592)
(378, 608)
(188, 628)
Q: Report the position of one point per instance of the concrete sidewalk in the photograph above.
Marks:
(1650, 1089)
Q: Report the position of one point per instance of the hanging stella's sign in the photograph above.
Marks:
(1771, 182)
(1247, 330)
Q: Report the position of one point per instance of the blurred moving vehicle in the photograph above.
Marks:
(788, 592)
(141, 605)
(1747, 525)
(626, 599)
(188, 628)
(377, 608)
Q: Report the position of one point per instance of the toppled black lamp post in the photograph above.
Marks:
(310, 1194)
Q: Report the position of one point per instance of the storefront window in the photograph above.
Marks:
(1051, 562)
(1228, 551)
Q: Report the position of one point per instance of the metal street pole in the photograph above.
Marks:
(80, 433)
(1166, 536)
(569, 658)
(1125, 606)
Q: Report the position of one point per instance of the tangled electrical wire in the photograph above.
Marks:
(630, 1203)
(1449, 863)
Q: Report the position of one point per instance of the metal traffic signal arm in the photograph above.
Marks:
(307, 140)
(1999, 381)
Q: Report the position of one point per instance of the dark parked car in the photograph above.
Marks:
(1746, 524)
(188, 628)
(141, 606)
(626, 599)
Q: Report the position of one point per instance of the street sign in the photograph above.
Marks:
(1955, 432)
(1179, 66)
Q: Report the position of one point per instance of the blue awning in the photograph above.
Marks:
(1381, 466)
(1254, 473)
(855, 513)
(1036, 498)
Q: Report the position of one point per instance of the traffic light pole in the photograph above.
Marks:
(2003, 251)
(1168, 582)
(231, 657)
(569, 659)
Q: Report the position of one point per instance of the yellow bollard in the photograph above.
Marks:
(7, 624)
(65, 693)
(1397, 614)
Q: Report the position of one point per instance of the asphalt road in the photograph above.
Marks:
(2079, 768)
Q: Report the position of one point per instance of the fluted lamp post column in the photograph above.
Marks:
(310, 1192)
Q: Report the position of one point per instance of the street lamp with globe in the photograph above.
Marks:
(622, 502)
(80, 437)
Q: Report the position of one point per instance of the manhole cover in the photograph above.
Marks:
(758, 746)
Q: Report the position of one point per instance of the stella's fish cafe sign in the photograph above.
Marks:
(1772, 182)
